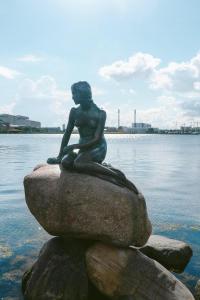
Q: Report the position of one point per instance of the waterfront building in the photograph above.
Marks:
(140, 127)
(124, 129)
(63, 127)
(186, 129)
(109, 129)
(50, 130)
(3, 126)
(19, 121)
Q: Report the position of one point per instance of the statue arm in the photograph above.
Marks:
(98, 133)
(68, 131)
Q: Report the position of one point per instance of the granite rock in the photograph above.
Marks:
(197, 290)
(58, 274)
(172, 254)
(78, 205)
(128, 274)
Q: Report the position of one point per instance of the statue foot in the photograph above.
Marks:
(53, 160)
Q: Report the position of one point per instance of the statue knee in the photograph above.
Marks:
(77, 164)
(67, 162)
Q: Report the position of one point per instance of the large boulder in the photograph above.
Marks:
(95, 294)
(128, 273)
(172, 254)
(197, 290)
(83, 206)
(58, 274)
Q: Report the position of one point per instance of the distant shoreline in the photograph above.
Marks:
(117, 133)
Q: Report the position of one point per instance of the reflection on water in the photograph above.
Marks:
(165, 168)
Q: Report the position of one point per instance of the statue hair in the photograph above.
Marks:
(83, 88)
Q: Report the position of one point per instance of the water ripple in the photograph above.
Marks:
(165, 168)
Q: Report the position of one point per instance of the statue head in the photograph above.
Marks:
(81, 92)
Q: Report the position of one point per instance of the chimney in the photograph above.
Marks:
(118, 118)
(135, 118)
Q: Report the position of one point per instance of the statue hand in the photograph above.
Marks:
(54, 160)
(68, 149)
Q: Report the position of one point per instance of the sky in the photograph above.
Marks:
(136, 54)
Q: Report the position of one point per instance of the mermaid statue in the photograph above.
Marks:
(88, 154)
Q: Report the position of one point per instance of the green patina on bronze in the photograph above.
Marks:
(90, 121)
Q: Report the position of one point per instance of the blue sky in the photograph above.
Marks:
(142, 55)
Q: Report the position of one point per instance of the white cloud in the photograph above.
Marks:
(30, 58)
(44, 101)
(191, 109)
(182, 82)
(43, 89)
(168, 114)
(7, 108)
(41, 100)
(132, 91)
(197, 85)
(8, 73)
(180, 77)
(111, 113)
(140, 65)
(128, 91)
(97, 91)
(178, 82)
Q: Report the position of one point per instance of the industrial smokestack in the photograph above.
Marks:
(135, 118)
(118, 118)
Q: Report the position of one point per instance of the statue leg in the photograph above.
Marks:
(85, 163)
(68, 160)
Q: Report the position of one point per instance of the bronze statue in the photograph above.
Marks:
(90, 121)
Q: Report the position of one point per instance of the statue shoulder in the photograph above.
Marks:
(74, 110)
(103, 114)
(100, 110)
(72, 113)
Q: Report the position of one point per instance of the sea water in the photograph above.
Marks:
(166, 168)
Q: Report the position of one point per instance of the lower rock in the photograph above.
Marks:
(129, 274)
(197, 290)
(58, 274)
(172, 254)
(77, 205)
(94, 293)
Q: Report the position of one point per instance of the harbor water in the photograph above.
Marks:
(166, 168)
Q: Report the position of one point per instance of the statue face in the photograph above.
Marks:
(81, 92)
(76, 96)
